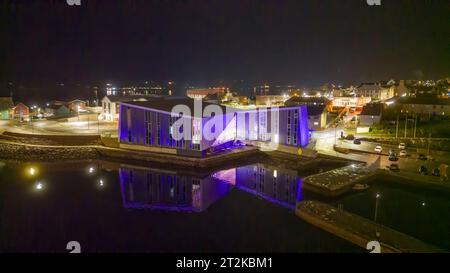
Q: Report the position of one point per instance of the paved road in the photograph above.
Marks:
(409, 166)
(51, 127)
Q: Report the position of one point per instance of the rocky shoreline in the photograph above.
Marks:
(43, 153)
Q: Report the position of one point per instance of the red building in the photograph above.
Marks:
(21, 112)
(77, 106)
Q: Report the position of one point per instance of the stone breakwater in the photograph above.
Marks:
(359, 230)
(43, 153)
(21, 152)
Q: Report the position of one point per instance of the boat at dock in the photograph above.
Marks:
(360, 187)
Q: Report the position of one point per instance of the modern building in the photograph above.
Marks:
(110, 105)
(371, 114)
(317, 110)
(157, 126)
(6, 104)
(21, 112)
(317, 117)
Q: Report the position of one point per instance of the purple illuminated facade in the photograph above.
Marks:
(282, 187)
(148, 126)
(159, 190)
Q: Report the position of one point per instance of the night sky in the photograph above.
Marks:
(301, 42)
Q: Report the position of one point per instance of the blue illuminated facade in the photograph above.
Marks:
(148, 126)
(159, 189)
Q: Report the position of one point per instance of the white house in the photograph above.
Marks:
(111, 105)
(375, 91)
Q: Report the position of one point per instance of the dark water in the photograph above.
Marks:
(130, 209)
(418, 212)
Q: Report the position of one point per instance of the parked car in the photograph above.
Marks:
(350, 137)
(403, 153)
(357, 141)
(423, 157)
(402, 146)
(423, 170)
(436, 172)
(378, 149)
(393, 157)
(394, 167)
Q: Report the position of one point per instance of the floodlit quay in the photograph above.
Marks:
(359, 230)
(339, 181)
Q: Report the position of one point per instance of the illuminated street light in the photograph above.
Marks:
(101, 183)
(377, 197)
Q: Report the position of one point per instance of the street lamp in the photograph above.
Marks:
(377, 231)
(377, 197)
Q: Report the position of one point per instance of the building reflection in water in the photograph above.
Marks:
(279, 186)
(166, 190)
(159, 189)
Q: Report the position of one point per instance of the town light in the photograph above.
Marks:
(39, 186)
(378, 195)
(91, 170)
(32, 171)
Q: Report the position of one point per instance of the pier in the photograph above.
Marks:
(359, 230)
(338, 181)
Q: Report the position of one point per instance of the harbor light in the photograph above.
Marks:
(31, 171)
(39, 186)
